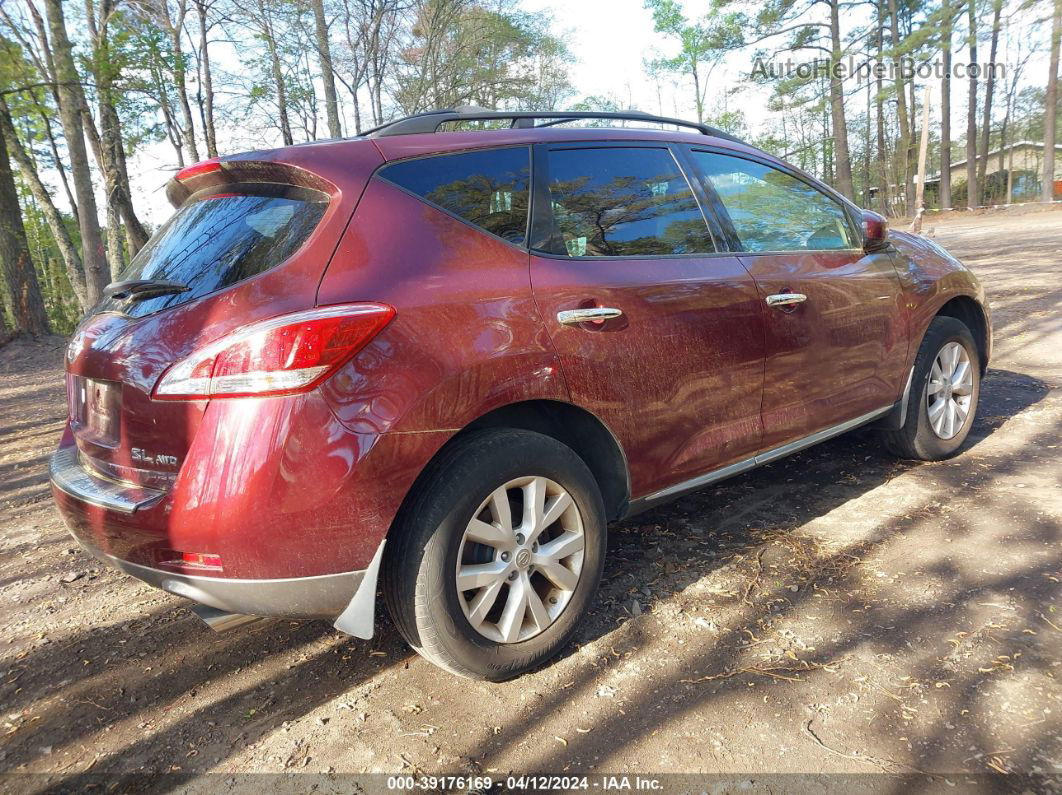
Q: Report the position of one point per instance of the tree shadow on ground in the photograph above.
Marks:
(135, 672)
(934, 650)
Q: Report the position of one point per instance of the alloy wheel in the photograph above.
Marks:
(949, 392)
(520, 559)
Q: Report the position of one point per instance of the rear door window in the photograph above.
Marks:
(623, 202)
(772, 210)
(214, 242)
(487, 188)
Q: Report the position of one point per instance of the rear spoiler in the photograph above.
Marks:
(216, 172)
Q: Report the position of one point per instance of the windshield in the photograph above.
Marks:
(219, 240)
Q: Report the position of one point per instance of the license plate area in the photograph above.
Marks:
(95, 409)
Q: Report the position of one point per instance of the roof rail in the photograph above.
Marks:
(430, 121)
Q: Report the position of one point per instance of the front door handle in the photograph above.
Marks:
(593, 314)
(786, 299)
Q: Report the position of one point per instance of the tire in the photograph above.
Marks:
(919, 438)
(433, 535)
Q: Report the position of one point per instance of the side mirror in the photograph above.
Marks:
(875, 231)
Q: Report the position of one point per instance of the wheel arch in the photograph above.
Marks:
(972, 314)
(570, 425)
(578, 429)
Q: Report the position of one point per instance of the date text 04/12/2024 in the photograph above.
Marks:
(541, 783)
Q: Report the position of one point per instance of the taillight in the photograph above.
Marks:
(197, 169)
(190, 560)
(279, 356)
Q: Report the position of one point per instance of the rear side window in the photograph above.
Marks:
(616, 202)
(217, 241)
(773, 211)
(488, 188)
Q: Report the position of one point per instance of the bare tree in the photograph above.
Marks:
(1051, 106)
(1018, 65)
(71, 101)
(27, 306)
(324, 56)
(906, 132)
(972, 195)
(843, 177)
(206, 82)
(947, 19)
(172, 23)
(260, 15)
(879, 106)
(105, 68)
(28, 170)
(990, 84)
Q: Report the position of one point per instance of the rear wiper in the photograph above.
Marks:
(142, 289)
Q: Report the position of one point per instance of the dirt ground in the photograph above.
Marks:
(838, 611)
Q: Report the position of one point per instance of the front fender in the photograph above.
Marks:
(930, 277)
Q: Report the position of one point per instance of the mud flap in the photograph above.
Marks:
(895, 419)
(359, 617)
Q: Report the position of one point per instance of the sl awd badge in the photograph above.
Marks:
(161, 459)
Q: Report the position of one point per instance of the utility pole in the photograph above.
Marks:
(923, 148)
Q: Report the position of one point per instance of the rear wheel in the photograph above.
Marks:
(497, 557)
(945, 388)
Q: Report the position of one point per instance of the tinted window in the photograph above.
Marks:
(623, 202)
(486, 188)
(217, 241)
(773, 211)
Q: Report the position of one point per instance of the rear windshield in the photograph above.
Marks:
(219, 240)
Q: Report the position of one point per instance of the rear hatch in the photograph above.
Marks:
(250, 240)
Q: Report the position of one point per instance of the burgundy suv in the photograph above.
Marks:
(442, 361)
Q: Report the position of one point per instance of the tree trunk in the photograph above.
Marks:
(972, 194)
(74, 271)
(108, 142)
(175, 28)
(209, 129)
(27, 306)
(945, 108)
(278, 76)
(324, 55)
(282, 95)
(986, 118)
(843, 170)
(357, 111)
(923, 148)
(70, 104)
(697, 92)
(901, 109)
(1051, 107)
(46, 125)
(1010, 178)
(867, 147)
(136, 234)
(882, 153)
(1003, 130)
(173, 130)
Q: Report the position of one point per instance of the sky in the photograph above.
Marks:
(610, 41)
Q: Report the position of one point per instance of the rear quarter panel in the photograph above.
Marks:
(466, 338)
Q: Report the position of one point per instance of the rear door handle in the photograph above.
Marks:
(593, 314)
(786, 299)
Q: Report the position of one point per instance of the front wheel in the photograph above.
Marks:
(498, 555)
(945, 388)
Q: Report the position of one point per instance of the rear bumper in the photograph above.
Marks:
(69, 477)
(325, 596)
(347, 598)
